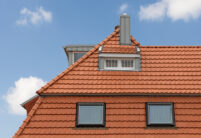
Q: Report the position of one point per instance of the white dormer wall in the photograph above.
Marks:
(103, 57)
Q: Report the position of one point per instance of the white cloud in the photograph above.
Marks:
(154, 11)
(34, 17)
(22, 21)
(173, 9)
(123, 8)
(24, 89)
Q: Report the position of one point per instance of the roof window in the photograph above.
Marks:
(160, 114)
(90, 115)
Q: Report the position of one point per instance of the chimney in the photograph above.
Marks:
(125, 30)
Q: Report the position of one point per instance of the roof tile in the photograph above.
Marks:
(165, 70)
(124, 116)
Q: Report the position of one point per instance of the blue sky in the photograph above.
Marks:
(32, 34)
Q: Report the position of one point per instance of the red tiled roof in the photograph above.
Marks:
(125, 117)
(28, 106)
(165, 70)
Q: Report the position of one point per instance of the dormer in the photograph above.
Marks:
(121, 52)
(75, 52)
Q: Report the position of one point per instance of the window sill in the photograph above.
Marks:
(90, 128)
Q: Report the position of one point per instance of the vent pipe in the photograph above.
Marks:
(125, 30)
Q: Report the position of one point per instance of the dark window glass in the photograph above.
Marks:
(127, 63)
(90, 114)
(160, 114)
(78, 56)
(111, 63)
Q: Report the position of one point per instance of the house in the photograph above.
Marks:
(120, 89)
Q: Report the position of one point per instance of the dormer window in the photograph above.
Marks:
(119, 63)
(75, 52)
(77, 55)
(111, 63)
(127, 63)
(124, 62)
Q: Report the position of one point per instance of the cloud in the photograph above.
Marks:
(123, 8)
(154, 11)
(22, 21)
(34, 17)
(173, 9)
(24, 89)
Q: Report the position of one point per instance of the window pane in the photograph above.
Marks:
(90, 115)
(127, 63)
(160, 114)
(111, 63)
(78, 56)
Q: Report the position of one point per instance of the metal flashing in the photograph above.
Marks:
(78, 47)
(138, 60)
(100, 60)
(100, 48)
(126, 94)
(22, 104)
(137, 49)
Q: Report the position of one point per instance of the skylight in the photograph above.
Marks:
(90, 114)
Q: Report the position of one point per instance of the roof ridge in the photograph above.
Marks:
(134, 41)
(77, 62)
(29, 116)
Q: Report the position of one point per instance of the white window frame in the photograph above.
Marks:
(119, 64)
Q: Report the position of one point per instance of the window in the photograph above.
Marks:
(119, 64)
(90, 115)
(160, 114)
(127, 63)
(119, 61)
(111, 63)
(78, 55)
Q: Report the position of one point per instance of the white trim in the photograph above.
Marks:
(118, 55)
(119, 64)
